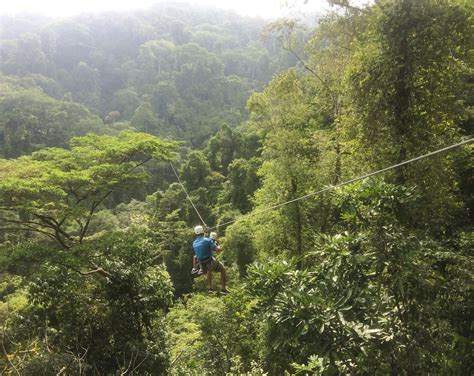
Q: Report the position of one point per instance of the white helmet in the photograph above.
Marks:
(213, 235)
(199, 230)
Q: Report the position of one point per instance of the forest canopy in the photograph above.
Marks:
(121, 132)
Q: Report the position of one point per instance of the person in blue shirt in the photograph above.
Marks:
(203, 249)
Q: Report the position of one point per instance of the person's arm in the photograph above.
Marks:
(214, 247)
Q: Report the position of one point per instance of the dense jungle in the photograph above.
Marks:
(120, 132)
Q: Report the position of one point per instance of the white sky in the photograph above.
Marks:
(62, 8)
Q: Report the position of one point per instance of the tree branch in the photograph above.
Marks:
(346, 4)
(28, 228)
(97, 269)
(9, 362)
(313, 72)
(95, 204)
(181, 353)
(139, 364)
(15, 221)
(54, 224)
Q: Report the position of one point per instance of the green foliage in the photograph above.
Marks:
(55, 192)
(32, 120)
(411, 61)
(222, 149)
(197, 75)
(213, 335)
(239, 246)
(108, 319)
(373, 278)
(125, 101)
(370, 290)
(173, 239)
(144, 120)
(365, 292)
(195, 170)
(295, 159)
(243, 182)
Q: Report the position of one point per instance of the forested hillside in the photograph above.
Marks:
(174, 70)
(121, 132)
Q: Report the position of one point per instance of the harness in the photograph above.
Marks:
(207, 263)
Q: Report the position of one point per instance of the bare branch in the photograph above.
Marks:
(98, 270)
(9, 362)
(139, 364)
(46, 333)
(313, 72)
(347, 5)
(289, 29)
(182, 352)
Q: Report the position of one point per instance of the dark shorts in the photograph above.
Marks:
(212, 265)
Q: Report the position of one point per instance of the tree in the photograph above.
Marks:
(412, 59)
(77, 323)
(164, 99)
(29, 57)
(195, 170)
(55, 192)
(86, 86)
(156, 59)
(243, 182)
(112, 323)
(173, 238)
(145, 120)
(369, 297)
(125, 101)
(222, 148)
(68, 41)
(31, 120)
(239, 247)
(293, 148)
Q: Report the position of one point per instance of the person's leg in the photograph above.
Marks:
(209, 279)
(199, 266)
(223, 279)
(218, 267)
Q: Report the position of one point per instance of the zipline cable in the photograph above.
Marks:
(331, 187)
(187, 195)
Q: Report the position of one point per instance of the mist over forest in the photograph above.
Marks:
(181, 70)
(121, 132)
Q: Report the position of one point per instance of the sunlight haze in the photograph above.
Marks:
(58, 8)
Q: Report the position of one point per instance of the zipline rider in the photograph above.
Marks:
(203, 249)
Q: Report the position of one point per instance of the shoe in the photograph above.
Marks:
(194, 273)
(225, 291)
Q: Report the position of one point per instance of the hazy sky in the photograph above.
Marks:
(263, 8)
